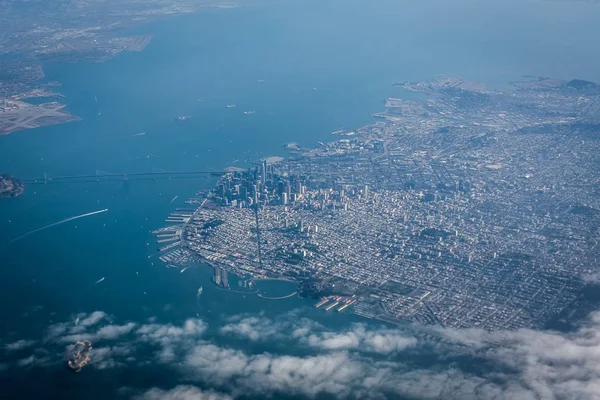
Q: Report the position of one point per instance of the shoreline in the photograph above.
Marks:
(17, 114)
(10, 187)
(312, 208)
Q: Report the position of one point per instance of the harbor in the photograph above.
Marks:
(339, 303)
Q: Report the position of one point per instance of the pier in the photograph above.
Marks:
(322, 302)
(169, 246)
(342, 308)
(169, 239)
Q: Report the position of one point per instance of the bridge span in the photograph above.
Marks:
(101, 176)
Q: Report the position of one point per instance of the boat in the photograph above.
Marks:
(230, 105)
(249, 112)
(183, 118)
(199, 291)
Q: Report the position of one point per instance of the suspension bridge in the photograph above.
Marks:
(103, 176)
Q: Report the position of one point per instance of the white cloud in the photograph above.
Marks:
(341, 374)
(334, 373)
(182, 393)
(19, 345)
(91, 319)
(253, 328)
(158, 333)
(521, 365)
(108, 332)
(80, 325)
(56, 330)
(265, 373)
(171, 338)
(384, 341)
(548, 364)
(111, 357)
(215, 363)
(592, 277)
(28, 361)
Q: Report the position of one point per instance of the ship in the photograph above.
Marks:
(183, 118)
(249, 112)
(80, 355)
(230, 105)
(200, 291)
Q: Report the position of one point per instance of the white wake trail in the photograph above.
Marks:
(55, 224)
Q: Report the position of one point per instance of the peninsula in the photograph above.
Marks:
(469, 208)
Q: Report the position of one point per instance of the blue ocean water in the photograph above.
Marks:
(350, 51)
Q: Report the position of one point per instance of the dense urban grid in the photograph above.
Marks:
(467, 207)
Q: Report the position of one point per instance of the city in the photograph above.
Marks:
(469, 207)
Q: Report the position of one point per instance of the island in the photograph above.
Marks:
(466, 207)
(10, 187)
(79, 355)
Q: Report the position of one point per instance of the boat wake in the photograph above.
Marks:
(64, 221)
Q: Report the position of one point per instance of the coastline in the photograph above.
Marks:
(17, 114)
(319, 218)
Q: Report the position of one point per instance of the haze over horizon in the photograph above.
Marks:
(441, 244)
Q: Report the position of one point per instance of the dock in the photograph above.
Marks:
(168, 239)
(169, 246)
(342, 308)
(324, 301)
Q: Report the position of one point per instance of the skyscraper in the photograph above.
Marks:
(217, 276)
(288, 190)
(264, 171)
(225, 279)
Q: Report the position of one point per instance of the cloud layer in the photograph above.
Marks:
(183, 392)
(359, 361)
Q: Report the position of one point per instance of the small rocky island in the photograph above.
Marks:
(10, 187)
(79, 355)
